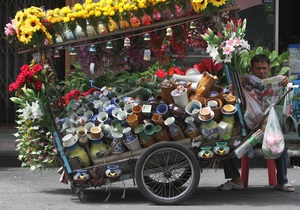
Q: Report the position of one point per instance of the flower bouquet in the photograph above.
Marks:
(34, 140)
(229, 47)
(31, 27)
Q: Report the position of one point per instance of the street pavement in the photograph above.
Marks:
(22, 189)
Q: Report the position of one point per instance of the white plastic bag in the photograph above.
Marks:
(253, 113)
(273, 142)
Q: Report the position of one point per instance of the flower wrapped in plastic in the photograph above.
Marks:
(32, 27)
(229, 46)
(34, 140)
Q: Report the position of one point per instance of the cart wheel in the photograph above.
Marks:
(167, 173)
(73, 187)
(79, 193)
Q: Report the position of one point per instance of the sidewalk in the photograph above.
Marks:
(8, 155)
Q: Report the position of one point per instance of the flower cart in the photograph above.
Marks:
(159, 130)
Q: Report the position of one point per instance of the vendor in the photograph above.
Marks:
(260, 67)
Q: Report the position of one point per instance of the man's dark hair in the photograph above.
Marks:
(260, 58)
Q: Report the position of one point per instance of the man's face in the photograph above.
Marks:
(260, 70)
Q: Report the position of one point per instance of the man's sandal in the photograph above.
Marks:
(229, 185)
(286, 187)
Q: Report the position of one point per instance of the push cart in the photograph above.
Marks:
(167, 172)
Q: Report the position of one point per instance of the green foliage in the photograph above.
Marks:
(278, 62)
(152, 69)
(75, 81)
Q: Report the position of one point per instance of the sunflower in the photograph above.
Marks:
(199, 4)
(218, 3)
(26, 37)
(19, 18)
(33, 23)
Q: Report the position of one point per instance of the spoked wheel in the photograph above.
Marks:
(167, 173)
(79, 193)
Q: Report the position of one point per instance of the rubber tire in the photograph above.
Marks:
(150, 152)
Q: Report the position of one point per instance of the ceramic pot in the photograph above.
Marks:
(209, 129)
(216, 92)
(166, 93)
(96, 132)
(82, 134)
(132, 120)
(97, 148)
(74, 150)
(180, 97)
(229, 119)
(134, 144)
(216, 109)
(174, 130)
(157, 119)
(102, 117)
(161, 134)
(193, 108)
(137, 109)
(129, 136)
(163, 110)
(145, 140)
(191, 130)
(149, 129)
(206, 153)
(221, 149)
(113, 172)
(117, 141)
(81, 177)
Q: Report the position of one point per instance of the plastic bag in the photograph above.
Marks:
(253, 113)
(273, 141)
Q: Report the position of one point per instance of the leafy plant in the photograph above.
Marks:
(278, 62)
(75, 81)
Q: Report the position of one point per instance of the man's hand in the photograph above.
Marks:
(284, 81)
(244, 80)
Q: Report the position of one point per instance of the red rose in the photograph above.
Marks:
(38, 85)
(12, 87)
(161, 73)
(25, 67)
(37, 68)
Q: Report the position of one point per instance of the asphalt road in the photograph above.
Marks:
(23, 189)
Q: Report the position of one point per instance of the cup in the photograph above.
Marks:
(193, 109)
(213, 104)
(89, 125)
(137, 109)
(82, 134)
(96, 132)
(205, 113)
(132, 120)
(128, 108)
(230, 99)
(122, 115)
(69, 140)
(102, 117)
(180, 97)
(115, 112)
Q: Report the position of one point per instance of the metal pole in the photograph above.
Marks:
(276, 25)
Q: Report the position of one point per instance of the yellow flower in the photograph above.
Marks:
(18, 18)
(199, 4)
(78, 7)
(66, 10)
(88, 1)
(33, 23)
(218, 3)
(98, 14)
(112, 13)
